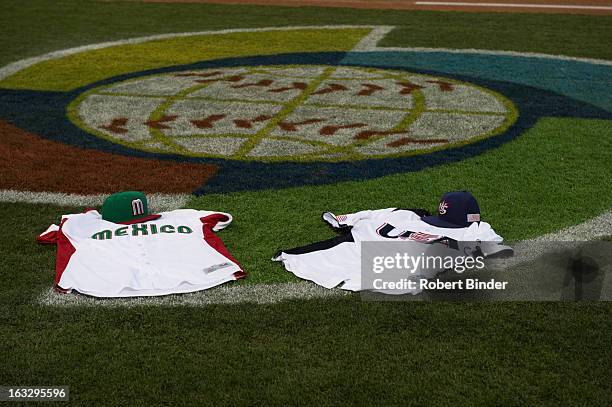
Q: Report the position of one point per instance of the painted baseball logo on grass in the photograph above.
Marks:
(316, 105)
(303, 113)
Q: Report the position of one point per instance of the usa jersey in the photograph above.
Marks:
(337, 261)
(177, 253)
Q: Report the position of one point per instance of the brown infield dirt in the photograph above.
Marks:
(412, 5)
(32, 163)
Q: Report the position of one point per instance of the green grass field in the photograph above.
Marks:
(320, 351)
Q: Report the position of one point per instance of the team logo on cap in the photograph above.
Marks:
(137, 207)
(442, 208)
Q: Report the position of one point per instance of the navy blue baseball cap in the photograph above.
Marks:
(457, 209)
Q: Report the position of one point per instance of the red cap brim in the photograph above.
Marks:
(141, 220)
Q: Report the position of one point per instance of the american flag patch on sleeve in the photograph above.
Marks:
(473, 217)
(423, 237)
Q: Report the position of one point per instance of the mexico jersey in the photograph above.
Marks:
(177, 253)
(337, 261)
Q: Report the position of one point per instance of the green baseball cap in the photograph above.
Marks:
(127, 207)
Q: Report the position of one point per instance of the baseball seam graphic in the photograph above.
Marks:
(304, 112)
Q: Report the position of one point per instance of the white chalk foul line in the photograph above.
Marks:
(513, 5)
(471, 51)
(368, 43)
(157, 202)
(227, 294)
(272, 293)
(371, 40)
(528, 250)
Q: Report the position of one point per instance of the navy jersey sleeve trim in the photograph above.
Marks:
(318, 246)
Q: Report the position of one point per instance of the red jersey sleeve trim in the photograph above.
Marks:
(214, 241)
(65, 250)
(48, 237)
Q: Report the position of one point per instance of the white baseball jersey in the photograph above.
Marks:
(337, 261)
(177, 253)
